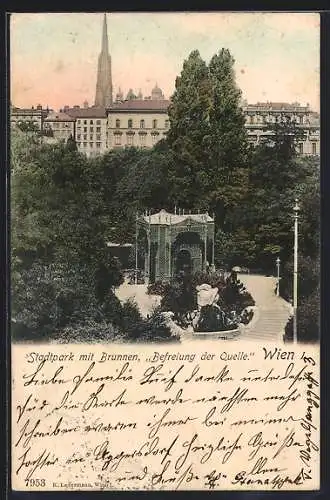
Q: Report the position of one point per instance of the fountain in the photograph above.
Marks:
(209, 320)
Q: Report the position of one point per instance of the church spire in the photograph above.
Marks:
(105, 43)
(103, 95)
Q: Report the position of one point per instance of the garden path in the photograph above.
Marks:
(272, 312)
(138, 293)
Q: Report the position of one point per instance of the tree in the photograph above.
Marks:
(189, 128)
(284, 138)
(59, 247)
(276, 177)
(227, 143)
(113, 204)
(71, 144)
(28, 126)
(208, 138)
(146, 182)
(237, 248)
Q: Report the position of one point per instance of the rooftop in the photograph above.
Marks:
(277, 106)
(32, 110)
(92, 112)
(141, 105)
(59, 117)
(166, 218)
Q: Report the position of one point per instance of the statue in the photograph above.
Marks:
(206, 295)
(209, 316)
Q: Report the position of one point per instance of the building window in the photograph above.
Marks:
(154, 123)
(85, 122)
(91, 137)
(142, 140)
(85, 129)
(91, 122)
(300, 148)
(117, 140)
(85, 144)
(91, 129)
(154, 138)
(98, 137)
(117, 123)
(167, 123)
(98, 122)
(90, 144)
(85, 137)
(130, 123)
(98, 130)
(130, 140)
(78, 121)
(79, 144)
(78, 136)
(314, 148)
(98, 145)
(142, 124)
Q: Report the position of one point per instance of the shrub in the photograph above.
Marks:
(246, 317)
(308, 277)
(155, 329)
(179, 297)
(213, 319)
(308, 320)
(234, 296)
(130, 321)
(215, 279)
(47, 298)
(86, 332)
(157, 288)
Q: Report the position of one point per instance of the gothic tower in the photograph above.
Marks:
(103, 95)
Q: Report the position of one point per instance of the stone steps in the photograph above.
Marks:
(273, 312)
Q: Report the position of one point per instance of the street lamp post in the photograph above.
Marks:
(296, 209)
(278, 261)
(136, 250)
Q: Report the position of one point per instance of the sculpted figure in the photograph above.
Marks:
(207, 296)
(209, 316)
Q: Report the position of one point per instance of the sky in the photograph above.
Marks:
(54, 56)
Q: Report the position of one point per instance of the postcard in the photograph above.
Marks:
(165, 260)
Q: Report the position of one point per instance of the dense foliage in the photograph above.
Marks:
(63, 276)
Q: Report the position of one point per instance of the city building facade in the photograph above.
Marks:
(59, 126)
(91, 131)
(137, 122)
(34, 116)
(259, 116)
(142, 122)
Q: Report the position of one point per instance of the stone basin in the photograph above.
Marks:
(221, 334)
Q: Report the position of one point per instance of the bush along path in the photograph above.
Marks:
(271, 313)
